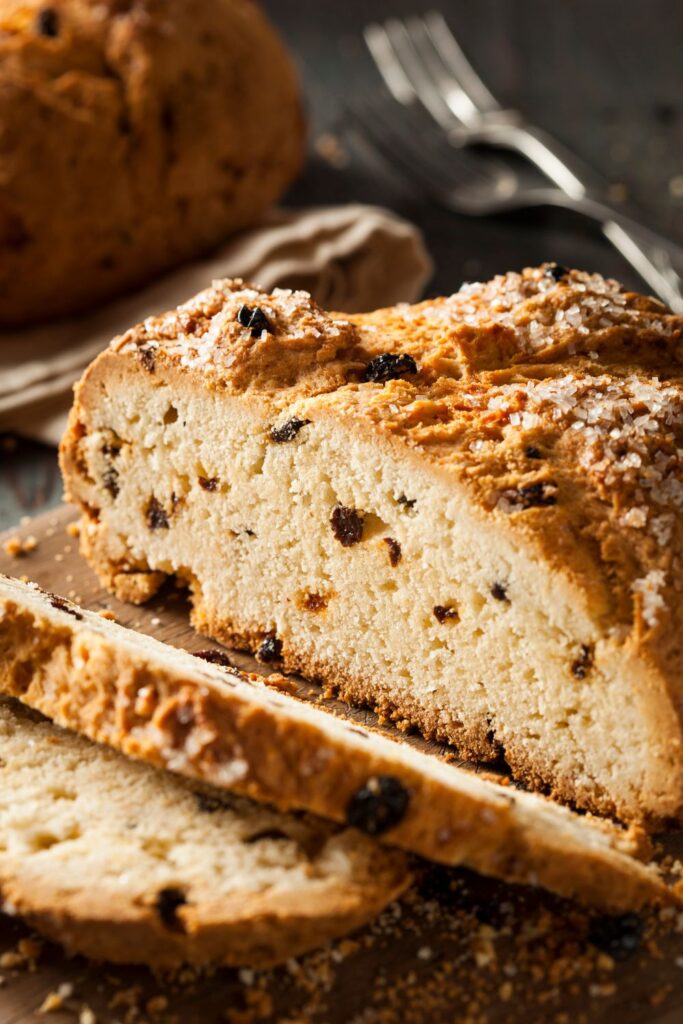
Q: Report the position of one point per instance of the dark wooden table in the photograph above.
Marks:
(605, 77)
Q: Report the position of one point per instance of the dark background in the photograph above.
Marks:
(604, 76)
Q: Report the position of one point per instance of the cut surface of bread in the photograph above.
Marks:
(168, 707)
(123, 862)
(466, 513)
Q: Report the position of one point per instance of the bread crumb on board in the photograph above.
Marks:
(56, 1000)
(15, 547)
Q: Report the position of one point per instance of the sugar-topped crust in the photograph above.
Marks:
(557, 401)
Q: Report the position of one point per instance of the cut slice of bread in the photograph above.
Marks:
(170, 708)
(466, 513)
(123, 862)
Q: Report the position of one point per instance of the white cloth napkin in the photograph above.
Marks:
(351, 258)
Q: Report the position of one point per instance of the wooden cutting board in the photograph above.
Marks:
(459, 948)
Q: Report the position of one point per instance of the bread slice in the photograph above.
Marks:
(170, 708)
(466, 513)
(123, 862)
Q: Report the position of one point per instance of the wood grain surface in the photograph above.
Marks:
(459, 948)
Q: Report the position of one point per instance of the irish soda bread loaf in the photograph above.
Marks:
(465, 512)
(217, 724)
(122, 862)
(135, 134)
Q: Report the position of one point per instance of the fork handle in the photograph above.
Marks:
(655, 258)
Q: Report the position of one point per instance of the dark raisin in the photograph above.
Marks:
(110, 480)
(253, 318)
(499, 591)
(268, 833)
(347, 525)
(582, 665)
(406, 502)
(62, 605)
(147, 356)
(389, 366)
(270, 649)
(378, 806)
(619, 935)
(538, 495)
(555, 271)
(395, 553)
(211, 804)
(167, 903)
(157, 518)
(215, 657)
(446, 614)
(288, 430)
(532, 453)
(208, 483)
(48, 23)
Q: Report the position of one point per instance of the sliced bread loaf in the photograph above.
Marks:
(120, 861)
(217, 724)
(466, 513)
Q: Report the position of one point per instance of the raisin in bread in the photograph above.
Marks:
(466, 513)
(135, 136)
(164, 705)
(123, 862)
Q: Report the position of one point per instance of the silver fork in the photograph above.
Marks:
(424, 67)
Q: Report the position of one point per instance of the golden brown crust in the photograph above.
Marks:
(136, 136)
(271, 752)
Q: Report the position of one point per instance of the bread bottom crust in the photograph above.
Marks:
(472, 742)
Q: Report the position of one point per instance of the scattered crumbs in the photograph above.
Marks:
(106, 613)
(11, 960)
(424, 953)
(59, 557)
(15, 547)
(86, 1016)
(329, 147)
(676, 186)
(155, 621)
(156, 1005)
(506, 991)
(660, 995)
(24, 957)
(54, 1001)
(74, 529)
(279, 682)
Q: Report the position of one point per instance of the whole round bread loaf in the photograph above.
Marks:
(134, 135)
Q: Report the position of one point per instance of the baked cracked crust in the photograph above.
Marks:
(216, 724)
(122, 862)
(137, 134)
(464, 512)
